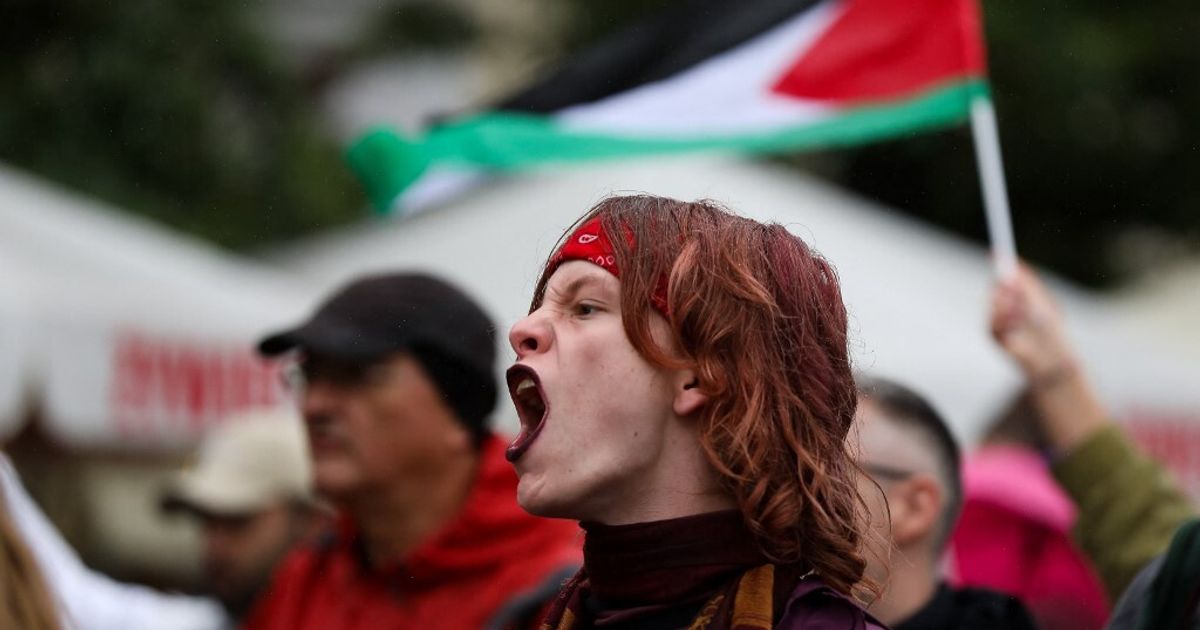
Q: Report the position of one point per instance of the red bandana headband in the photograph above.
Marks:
(591, 243)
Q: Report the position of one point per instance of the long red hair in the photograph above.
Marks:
(759, 316)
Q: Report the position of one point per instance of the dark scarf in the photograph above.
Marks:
(1175, 592)
(975, 608)
(706, 568)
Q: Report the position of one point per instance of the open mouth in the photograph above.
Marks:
(532, 408)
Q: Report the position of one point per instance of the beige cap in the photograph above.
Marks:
(252, 460)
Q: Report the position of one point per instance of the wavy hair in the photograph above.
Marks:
(759, 316)
(26, 599)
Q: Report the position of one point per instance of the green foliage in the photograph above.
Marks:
(591, 21)
(1096, 103)
(173, 109)
(416, 25)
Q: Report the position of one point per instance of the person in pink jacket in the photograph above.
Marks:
(1015, 536)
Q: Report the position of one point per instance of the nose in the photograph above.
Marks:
(318, 399)
(530, 335)
(219, 540)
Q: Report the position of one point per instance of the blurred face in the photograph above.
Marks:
(372, 425)
(594, 413)
(878, 544)
(904, 499)
(240, 552)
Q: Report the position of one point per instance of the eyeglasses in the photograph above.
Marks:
(306, 370)
(883, 471)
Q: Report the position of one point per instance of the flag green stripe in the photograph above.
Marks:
(505, 141)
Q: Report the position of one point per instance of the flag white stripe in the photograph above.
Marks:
(727, 94)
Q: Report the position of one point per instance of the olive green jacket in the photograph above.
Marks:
(1129, 506)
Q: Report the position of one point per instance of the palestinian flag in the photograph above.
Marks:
(755, 76)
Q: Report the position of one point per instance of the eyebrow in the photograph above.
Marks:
(574, 285)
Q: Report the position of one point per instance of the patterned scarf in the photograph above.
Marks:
(749, 605)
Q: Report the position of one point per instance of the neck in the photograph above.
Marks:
(681, 483)
(910, 585)
(665, 505)
(396, 518)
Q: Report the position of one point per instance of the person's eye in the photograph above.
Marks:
(583, 308)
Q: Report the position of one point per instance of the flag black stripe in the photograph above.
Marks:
(648, 51)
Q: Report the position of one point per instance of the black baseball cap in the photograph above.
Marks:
(378, 315)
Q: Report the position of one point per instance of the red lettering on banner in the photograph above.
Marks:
(240, 387)
(133, 365)
(183, 380)
(170, 387)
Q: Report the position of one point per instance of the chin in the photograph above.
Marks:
(334, 482)
(535, 508)
(534, 497)
(575, 504)
(530, 498)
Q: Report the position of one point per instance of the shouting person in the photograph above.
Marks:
(685, 391)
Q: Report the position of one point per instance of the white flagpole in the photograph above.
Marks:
(995, 194)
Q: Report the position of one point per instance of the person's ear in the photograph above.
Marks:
(917, 506)
(689, 397)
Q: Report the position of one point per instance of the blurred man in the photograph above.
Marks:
(396, 385)
(251, 492)
(914, 492)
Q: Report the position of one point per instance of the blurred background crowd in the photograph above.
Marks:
(173, 188)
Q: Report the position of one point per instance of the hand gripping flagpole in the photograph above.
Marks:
(995, 194)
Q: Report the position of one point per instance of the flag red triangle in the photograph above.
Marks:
(878, 50)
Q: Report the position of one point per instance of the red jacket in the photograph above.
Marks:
(487, 568)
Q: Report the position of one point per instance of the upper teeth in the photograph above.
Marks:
(525, 384)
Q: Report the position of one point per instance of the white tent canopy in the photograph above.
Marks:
(918, 297)
(125, 334)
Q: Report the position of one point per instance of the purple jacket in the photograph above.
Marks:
(815, 606)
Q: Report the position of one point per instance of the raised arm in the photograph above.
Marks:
(1129, 507)
(1028, 326)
